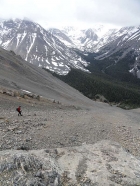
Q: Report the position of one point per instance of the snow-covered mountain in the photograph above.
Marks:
(123, 42)
(54, 49)
(107, 42)
(125, 39)
(38, 46)
(62, 37)
(90, 39)
(80, 37)
(103, 39)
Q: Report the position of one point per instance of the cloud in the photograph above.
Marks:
(70, 12)
(120, 12)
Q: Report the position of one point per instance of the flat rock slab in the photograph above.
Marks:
(104, 163)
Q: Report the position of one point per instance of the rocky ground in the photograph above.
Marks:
(46, 125)
(102, 164)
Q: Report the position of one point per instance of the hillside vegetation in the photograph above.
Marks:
(125, 94)
(107, 78)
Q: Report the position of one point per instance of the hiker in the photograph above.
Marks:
(19, 111)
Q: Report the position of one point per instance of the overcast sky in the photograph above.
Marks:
(56, 13)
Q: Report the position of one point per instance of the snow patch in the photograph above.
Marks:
(26, 91)
(32, 37)
(54, 63)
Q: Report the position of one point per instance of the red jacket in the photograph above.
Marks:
(18, 109)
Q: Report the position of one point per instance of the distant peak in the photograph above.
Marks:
(27, 19)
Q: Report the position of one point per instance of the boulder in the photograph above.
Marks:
(104, 163)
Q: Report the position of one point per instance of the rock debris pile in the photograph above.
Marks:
(104, 163)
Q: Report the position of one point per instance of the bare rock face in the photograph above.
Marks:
(104, 163)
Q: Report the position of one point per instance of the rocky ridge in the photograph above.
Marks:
(38, 46)
(104, 163)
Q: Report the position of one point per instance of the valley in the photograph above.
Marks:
(67, 135)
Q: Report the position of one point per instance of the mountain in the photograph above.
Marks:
(86, 39)
(62, 37)
(17, 74)
(97, 38)
(38, 46)
(112, 44)
(80, 37)
(125, 39)
(122, 45)
(58, 49)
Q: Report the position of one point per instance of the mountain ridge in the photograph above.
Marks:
(57, 49)
(38, 46)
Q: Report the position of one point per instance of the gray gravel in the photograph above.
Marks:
(51, 125)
